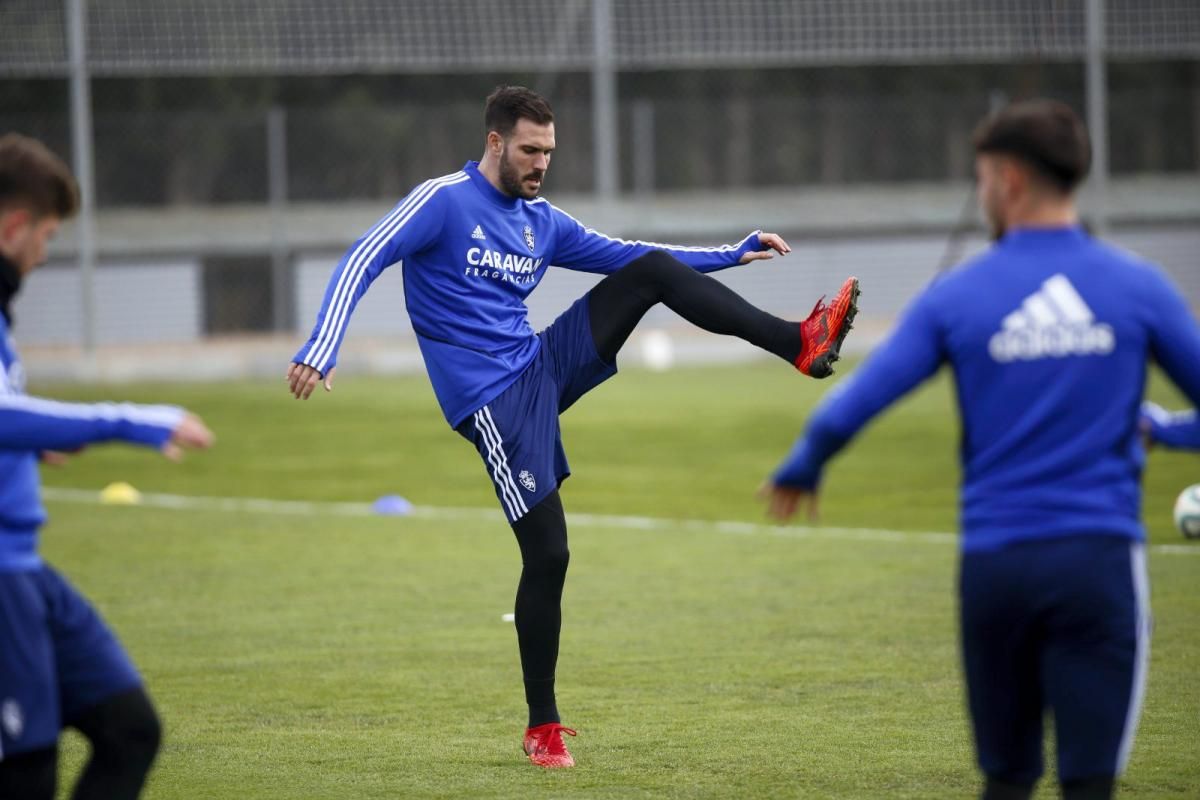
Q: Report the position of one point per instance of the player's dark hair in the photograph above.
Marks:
(507, 104)
(1045, 134)
(35, 178)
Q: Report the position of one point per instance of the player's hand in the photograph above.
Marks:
(191, 433)
(784, 501)
(1146, 430)
(773, 241)
(1147, 415)
(303, 379)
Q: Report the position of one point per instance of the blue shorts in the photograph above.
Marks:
(57, 659)
(1058, 625)
(517, 434)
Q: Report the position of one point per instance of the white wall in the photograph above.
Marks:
(136, 302)
(891, 269)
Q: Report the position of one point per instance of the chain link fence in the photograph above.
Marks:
(727, 138)
(239, 147)
(202, 37)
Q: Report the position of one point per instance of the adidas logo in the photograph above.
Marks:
(1053, 322)
(477, 233)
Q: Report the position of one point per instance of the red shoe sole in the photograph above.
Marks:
(843, 311)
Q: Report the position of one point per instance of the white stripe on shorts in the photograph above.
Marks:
(497, 458)
(1141, 591)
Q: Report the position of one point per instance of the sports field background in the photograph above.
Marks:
(325, 655)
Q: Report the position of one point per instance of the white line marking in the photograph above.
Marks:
(260, 505)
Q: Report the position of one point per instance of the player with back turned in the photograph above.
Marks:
(1048, 334)
(60, 665)
(474, 244)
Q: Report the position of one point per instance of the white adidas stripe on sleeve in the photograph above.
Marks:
(167, 417)
(724, 248)
(337, 313)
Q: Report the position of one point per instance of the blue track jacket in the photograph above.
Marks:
(1049, 334)
(29, 425)
(471, 256)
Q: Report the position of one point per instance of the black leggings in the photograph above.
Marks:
(615, 306)
(542, 537)
(124, 733)
(617, 303)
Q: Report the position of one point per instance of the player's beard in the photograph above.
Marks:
(512, 183)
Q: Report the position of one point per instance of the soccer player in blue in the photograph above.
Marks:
(60, 665)
(1048, 334)
(474, 244)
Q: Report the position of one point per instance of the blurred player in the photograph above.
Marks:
(475, 243)
(60, 665)
(1048, 334)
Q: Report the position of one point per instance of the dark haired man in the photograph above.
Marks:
(60, 665)
(474, 244)
(1048, 334)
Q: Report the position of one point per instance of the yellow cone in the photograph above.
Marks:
(120, 494)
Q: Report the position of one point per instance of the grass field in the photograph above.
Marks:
(319, 655)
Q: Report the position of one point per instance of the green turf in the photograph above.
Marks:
(339, 657)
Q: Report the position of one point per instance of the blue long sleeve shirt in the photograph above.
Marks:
(471, 256)
(29, 425)
(1179, 430)
(1048, 335)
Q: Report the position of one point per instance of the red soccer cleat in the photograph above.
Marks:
(545, 747)
(822, 333)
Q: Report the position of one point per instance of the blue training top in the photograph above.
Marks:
(472, 254)
(29, 425)
(1049, 333)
